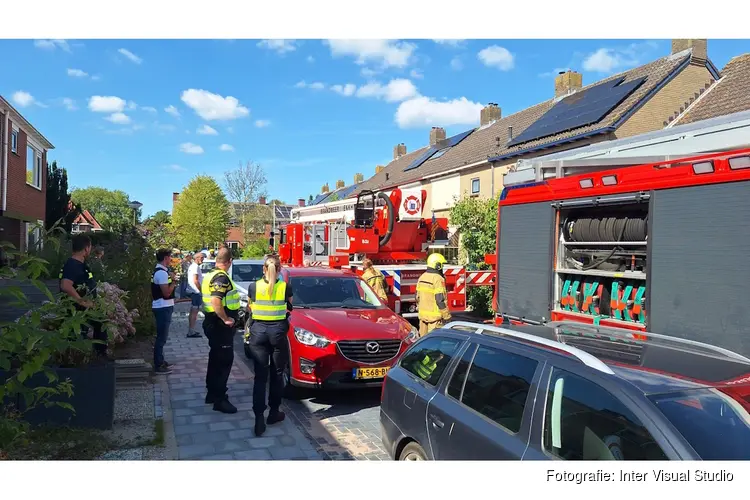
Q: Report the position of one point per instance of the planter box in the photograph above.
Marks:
(93, 398)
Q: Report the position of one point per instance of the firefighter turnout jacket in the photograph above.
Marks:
(376, 280)
(432, 297)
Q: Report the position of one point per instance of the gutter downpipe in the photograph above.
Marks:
(4, 159)
(492, 179)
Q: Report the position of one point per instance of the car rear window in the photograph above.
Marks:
(715, 422)
(247, 272)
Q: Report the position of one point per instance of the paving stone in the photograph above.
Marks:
(195, 450)
(286, 453)
(210, 437)
(263, 442)
(190, 429)
(206, 418)
(184, 439)
(287, 441)
(252, 455)
(218, 457)
(222, 426)
(240, 434)
(232, 446)
(180, 421)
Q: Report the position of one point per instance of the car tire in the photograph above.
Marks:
(412, 452)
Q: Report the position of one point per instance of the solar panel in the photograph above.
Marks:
(580, 109)
(346, 191)
(319, 198)
(441, 147)
(283, 211)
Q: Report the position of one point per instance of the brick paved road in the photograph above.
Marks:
(343, 425)
(203, 434)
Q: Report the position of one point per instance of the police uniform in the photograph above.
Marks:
(217, 283)
(376, 280)
(268, 345)
(85, 284)
(432, 296)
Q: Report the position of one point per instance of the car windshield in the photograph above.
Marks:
(207, 266)
(246, 271)
(333, 292)
(715, 424)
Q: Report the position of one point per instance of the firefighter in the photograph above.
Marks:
(270, 302)
(221, 306)
(432, 296)
(375, 279)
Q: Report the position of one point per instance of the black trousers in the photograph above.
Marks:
(269, 349)
(220, 357)
(99, 334)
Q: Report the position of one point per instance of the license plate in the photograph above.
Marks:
(369, 373)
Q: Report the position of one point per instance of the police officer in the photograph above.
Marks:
(432, 296)
(270, 301)
(221, 305)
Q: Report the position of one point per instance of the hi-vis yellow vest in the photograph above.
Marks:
(230, 301)
(268, 308)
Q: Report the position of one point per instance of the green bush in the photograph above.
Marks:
(255, 249)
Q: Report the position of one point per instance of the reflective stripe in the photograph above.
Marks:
(265, 307)
(425, 368)
(230, 301)
(428, 309)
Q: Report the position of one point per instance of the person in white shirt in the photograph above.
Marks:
(162, 292)
(195, 278)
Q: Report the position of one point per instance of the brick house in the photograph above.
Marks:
(475, 162)
(85, 222)
(23, 178)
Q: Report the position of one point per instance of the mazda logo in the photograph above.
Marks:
(372, 347)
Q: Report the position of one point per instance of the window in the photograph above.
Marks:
(715, 423)
(14, 141)
(334, 293)
(583, 421)
(233, 244)
(33, 167)
(497, 386)
(428, 359)
(33, 236)
(246, 272)
(475, 186)
(456, 385)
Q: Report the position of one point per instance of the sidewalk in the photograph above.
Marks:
(204, 434)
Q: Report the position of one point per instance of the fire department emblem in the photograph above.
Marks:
(412, 205)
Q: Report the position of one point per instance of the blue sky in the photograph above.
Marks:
(126, 114)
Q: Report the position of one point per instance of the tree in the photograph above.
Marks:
(245, 185)
(201, 216)
(159, 231)
(477, 219)
(58, 198)
(110, 208)
(276, 202)
(310, 200)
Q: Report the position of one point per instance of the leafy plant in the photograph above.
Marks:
(255, 249)
(201, 215)
(477, 219)
(111, 300)
(109, 207)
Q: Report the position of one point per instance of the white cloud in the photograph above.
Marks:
(345, 90)
(386, 53)
(23, 99)
(132, 105)
(210, 106)
(149, 109)
(206, 130)
(280, 46)
(456, 64)
(498, 57)
(191, 149)
(175, 168)
(608, 60)
(230, 130)
(172, 111)
(426, 112)
(368, 72)
(77, 73)
(52, 45)
(262, 123)
(119, 118)
(96, 77)
(415, 73)
(315, 85)
(226, 147)
(450, 43)
(69, 104)
(310, 59)
(602, 61)
(397, 90)
(132, 57)
(106, 104)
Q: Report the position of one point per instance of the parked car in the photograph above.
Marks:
(341, 334)
(565, 391)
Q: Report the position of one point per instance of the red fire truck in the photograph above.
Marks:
(389, 229)
(659, 246)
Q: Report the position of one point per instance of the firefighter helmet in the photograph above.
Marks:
(436, 261)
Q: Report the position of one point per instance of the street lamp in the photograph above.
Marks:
(135, 205)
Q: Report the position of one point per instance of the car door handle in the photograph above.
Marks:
(436, 422)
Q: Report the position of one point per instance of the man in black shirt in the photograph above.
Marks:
(77, 281)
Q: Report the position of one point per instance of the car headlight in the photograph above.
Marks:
(307, 337)
(413, 336)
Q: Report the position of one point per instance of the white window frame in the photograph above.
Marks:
(479, 186)
(37, 170)
(14, 141)
(36, 229)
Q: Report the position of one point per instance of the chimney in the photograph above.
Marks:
(567, 82)
(510, 133)
(398, 151)
(490, 114)
(360, 178)
(262, 200)
(379, 169)
(325, 189)
(340, 184)
(437, 134)
(175, 197)
(301, 202)
(699, 46)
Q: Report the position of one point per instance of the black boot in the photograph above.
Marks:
(224, 406)
(275, 416)
(210, 399)
(260, 425)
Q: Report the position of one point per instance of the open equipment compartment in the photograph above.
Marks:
(601, 259)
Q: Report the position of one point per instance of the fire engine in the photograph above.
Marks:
(654, 243)
(389, 229)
